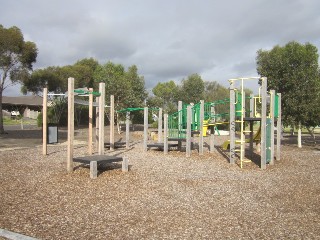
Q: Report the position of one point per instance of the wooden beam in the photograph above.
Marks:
(70, 124)
(44, 121)
(90, 121)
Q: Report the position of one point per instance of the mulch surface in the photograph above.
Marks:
(162, 196)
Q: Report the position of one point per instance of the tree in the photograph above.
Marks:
(137, 88)
(126, 86)
(165, 96)
(293, 71)
(192, 89)
(16, 60)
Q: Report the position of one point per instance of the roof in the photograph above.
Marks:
(23, 100)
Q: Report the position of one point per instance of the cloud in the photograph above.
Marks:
(167, 40)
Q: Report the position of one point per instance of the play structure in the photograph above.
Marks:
(190, 125)
(92, 160)
(205, 119)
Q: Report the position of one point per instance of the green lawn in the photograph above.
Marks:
(9, 121)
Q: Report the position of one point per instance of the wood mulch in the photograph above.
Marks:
(162, 196)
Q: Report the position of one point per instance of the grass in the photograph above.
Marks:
(8, 121)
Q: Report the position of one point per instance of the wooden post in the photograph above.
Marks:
(44, 121)
(97, 125)
(279, 129)
(232, 124)
(251, 123)
(252, 105)
(263, 122)
(160, 126)
(211, 140)
(201, 127)
(165, 137)
(90, 121)
(101, 117)
(188, 135)
(125, 164)
(70, 124)
(179, 124)
(111, 122)
(127, 129)
(145, 132)
(272, 101)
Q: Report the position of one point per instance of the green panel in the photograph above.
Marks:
(276, 106)
(238, 104)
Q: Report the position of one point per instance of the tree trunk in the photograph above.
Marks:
(299, 136)
(311, 132)
(1, 115)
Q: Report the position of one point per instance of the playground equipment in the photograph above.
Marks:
(195, 119)
(145, 109)
(92, 160)
(238, 116)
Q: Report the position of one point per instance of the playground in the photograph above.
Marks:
(206, 185)
(161, 197)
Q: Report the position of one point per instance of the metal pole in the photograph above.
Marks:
(201, 127)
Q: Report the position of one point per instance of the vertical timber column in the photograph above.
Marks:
(44, 121)
(90, 121)
(111, 122)
(252, 110)
(252, 105)
(102, 91)
(272, 109)
(127, 129)
(70, 124)
(180, 113)
(145, 129)
(279, 129)
(165, 139)
(160, 126)
(97, 125)
(232, 124)
(212, 149)
(263, 122)
(188, 140)
(201, 127)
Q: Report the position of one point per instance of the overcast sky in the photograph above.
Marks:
(167, 39)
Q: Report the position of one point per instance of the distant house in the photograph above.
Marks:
(28, 106)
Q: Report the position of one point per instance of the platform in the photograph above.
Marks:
(161, 145)
(95, 160)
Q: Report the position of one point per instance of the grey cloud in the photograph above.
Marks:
(167, 40)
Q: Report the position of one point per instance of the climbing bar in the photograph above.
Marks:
(84, 92)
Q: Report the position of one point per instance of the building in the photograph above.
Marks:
(28, 106)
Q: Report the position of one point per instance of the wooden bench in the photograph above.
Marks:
(95, 160)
